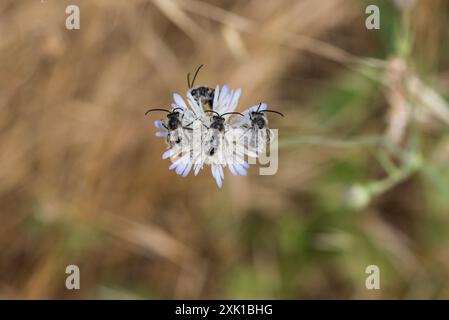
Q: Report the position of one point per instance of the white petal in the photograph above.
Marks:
(167, 154)
(194, 105)
(251, 153)
(255, 107)
(179, 101)
(181, 167)
(173, 165)
(187, 169)
(243, 163)
(235, 100)
(263, 107)
(161, 133)
(158, 124)
(216, 175)
(197, 169)
(216, 93)
(240, 169)
(219, 182)
(223, 94)
(220, 170)
(231, 168)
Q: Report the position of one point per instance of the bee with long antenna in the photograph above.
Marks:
(202, 95)
(173, 125)
(258, 126)
(216, 132)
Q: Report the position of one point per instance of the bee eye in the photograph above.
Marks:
(193, 92)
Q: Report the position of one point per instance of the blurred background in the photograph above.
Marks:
(363, 176)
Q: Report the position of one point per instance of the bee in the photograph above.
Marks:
(258, 125)
(203, 95)
(217, 130)
(173, 125)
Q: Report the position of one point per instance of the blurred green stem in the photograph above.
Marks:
(413, 164)
(317, 140)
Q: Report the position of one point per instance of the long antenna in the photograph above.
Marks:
(178, 108)
(221, 115)
(232, 113)
(213, 112)
(279, 113)
(157, 109)
(194, 77)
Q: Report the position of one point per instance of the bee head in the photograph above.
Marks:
(255, 114)
(191, 83)
(258, 116)
(173, 114)
(201, 91)
(259, 121)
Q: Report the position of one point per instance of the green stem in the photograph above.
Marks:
(317, 140)
(412, 165)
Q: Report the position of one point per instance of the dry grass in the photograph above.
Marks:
(81, 176)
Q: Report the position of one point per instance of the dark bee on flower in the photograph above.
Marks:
(203, 95)
(259, 119)
(257, 126)
(216, 131)
(173, 126)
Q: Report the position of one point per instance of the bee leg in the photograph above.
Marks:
(187, 125)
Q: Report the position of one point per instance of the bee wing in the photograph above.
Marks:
(259, 139)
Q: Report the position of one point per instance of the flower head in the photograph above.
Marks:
(216, 137)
